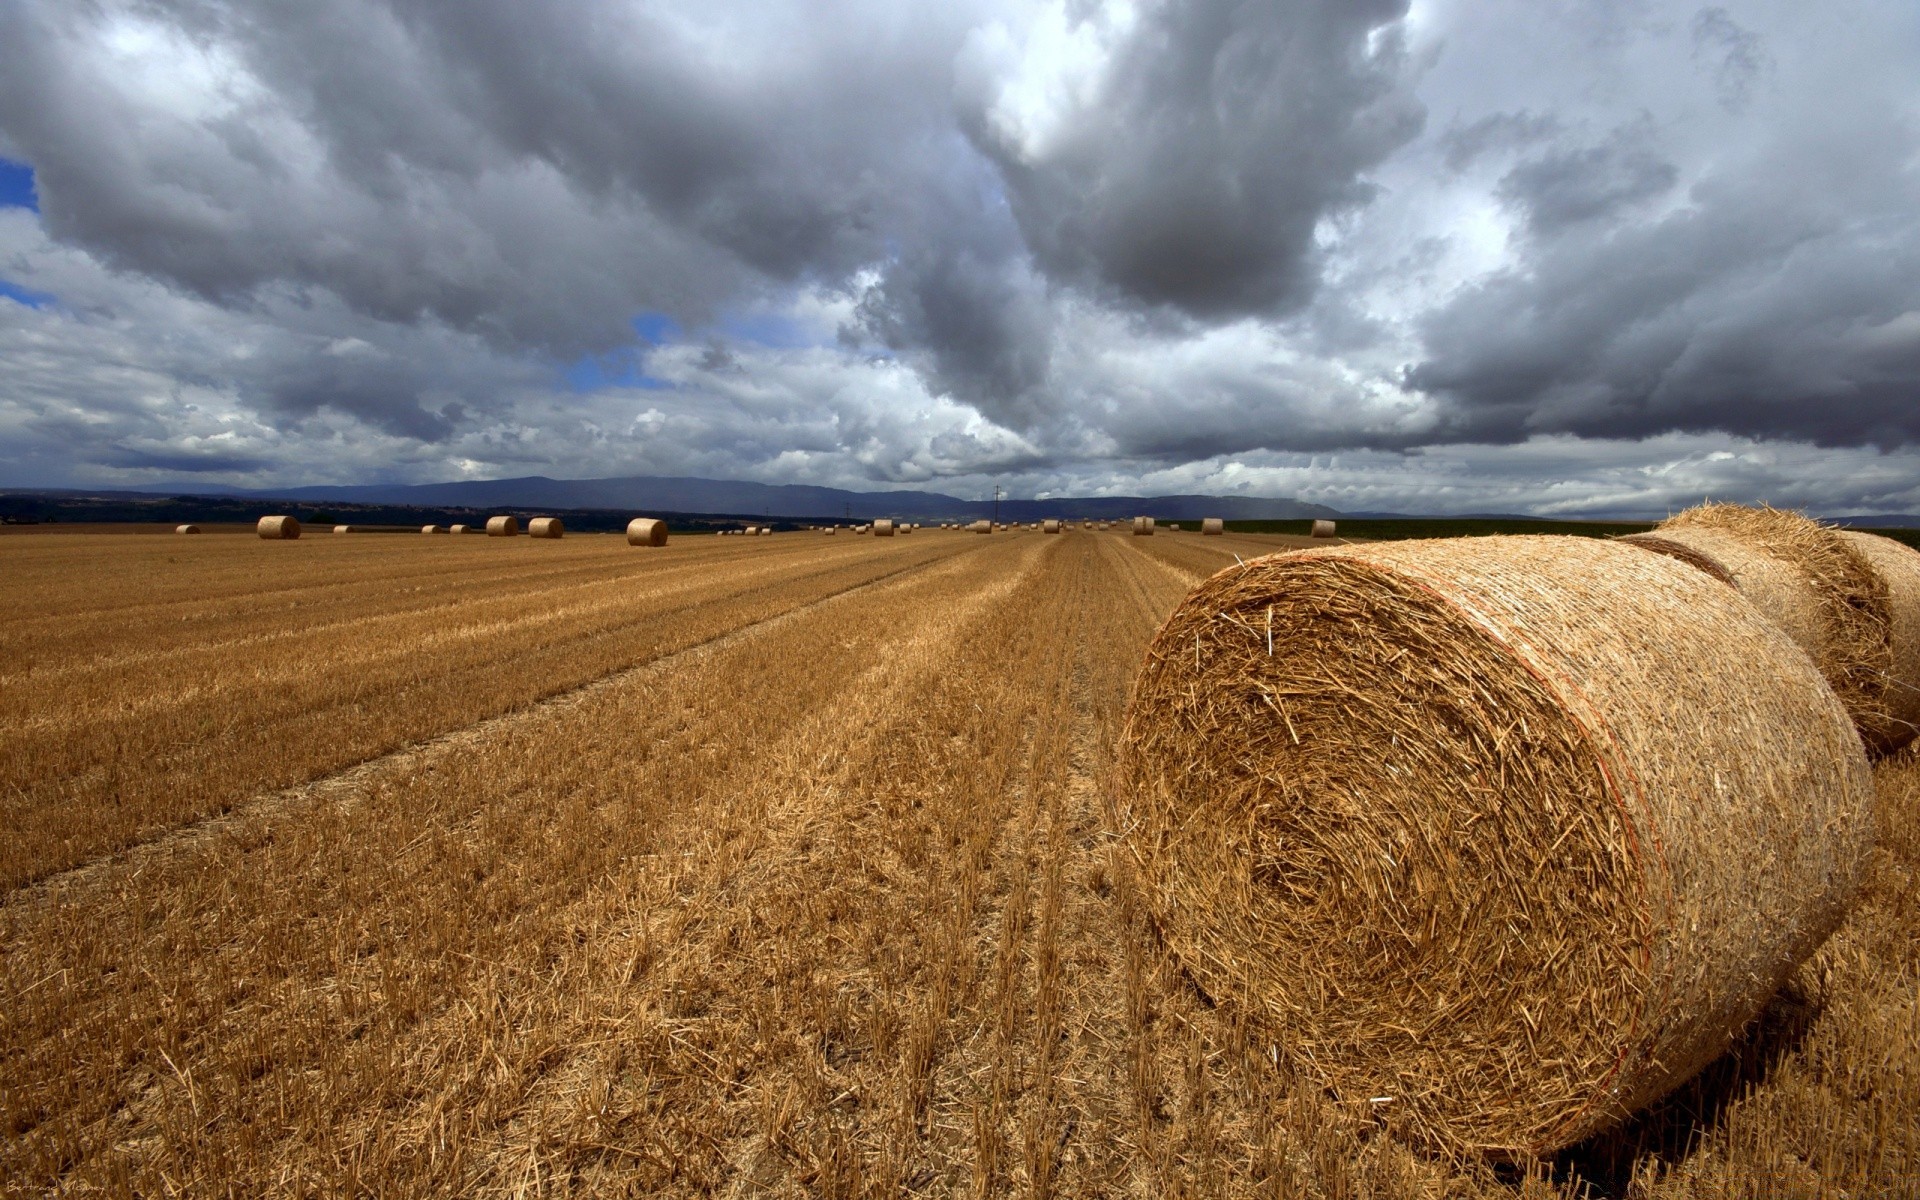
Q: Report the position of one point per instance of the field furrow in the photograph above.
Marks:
(90, 766)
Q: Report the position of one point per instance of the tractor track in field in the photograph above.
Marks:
(342, 783)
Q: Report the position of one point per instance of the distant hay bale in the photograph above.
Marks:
(278, 529)
(1174, 527)
(831, 530)
(1049, 526)
(1212, 527)
(1809, 580)
(1898, 566)
(1499, 839)
(186, 529)
(909, 527)
(458, 529)
(753, 531)
(433, 529)
(646, 531)
(546, 527)
(883, 528)
(503, 527)
(1143, 526)
(343, 529)
(981, 527)
(1322, 529)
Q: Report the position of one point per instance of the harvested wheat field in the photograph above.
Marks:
(490, 866)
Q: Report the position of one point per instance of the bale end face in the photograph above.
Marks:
(646, 531)
(278, 528)
(503, 527)
(1514, 834)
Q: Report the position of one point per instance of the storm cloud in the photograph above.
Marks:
(1057, 245)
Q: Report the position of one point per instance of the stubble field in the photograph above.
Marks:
(397, 865)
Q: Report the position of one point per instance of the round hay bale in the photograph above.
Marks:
(278, 529)
(646, 531)
(1810, 581)
(431, 529)
(343, 529)
(831, 530)
(186, 529)
(546, 527)
(909, 527)
(883, 528)
(1143, 526)
(1212, 527)
(981, 526)
(1498, 839)
(1322, 529)
(503, 527)
(457, 529)
(1898, 566)
(1049, 526)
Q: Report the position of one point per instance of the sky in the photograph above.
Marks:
(1600, 258)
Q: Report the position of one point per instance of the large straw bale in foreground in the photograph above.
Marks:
(1499, 839)
(1899, 569)
(276, 529)
(1807, 579)
(503, 527)
(646, 531)
(546, 527)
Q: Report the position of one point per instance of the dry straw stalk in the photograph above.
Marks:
(1807, 579)
(1499, 839)
(279, 528)
(1898, 567)
(646, 531)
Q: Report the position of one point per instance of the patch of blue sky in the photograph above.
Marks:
(20, 295)
(16, 186)
(657, 329)
(622, 368)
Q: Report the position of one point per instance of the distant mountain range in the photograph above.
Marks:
(685, 494)
(671, 494)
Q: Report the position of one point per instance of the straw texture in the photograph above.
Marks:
(646, 531)
(1898, 567)
(546, 527)
(277, 529)
(1817, 587)
(503, 527)
(1323, 529)
(1500, 838)
(186, 529)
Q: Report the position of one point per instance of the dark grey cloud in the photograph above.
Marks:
(1564, 187)
(1224, 133)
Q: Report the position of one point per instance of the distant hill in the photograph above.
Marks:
(685, 494)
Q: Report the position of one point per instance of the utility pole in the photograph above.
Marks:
(996, 504)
